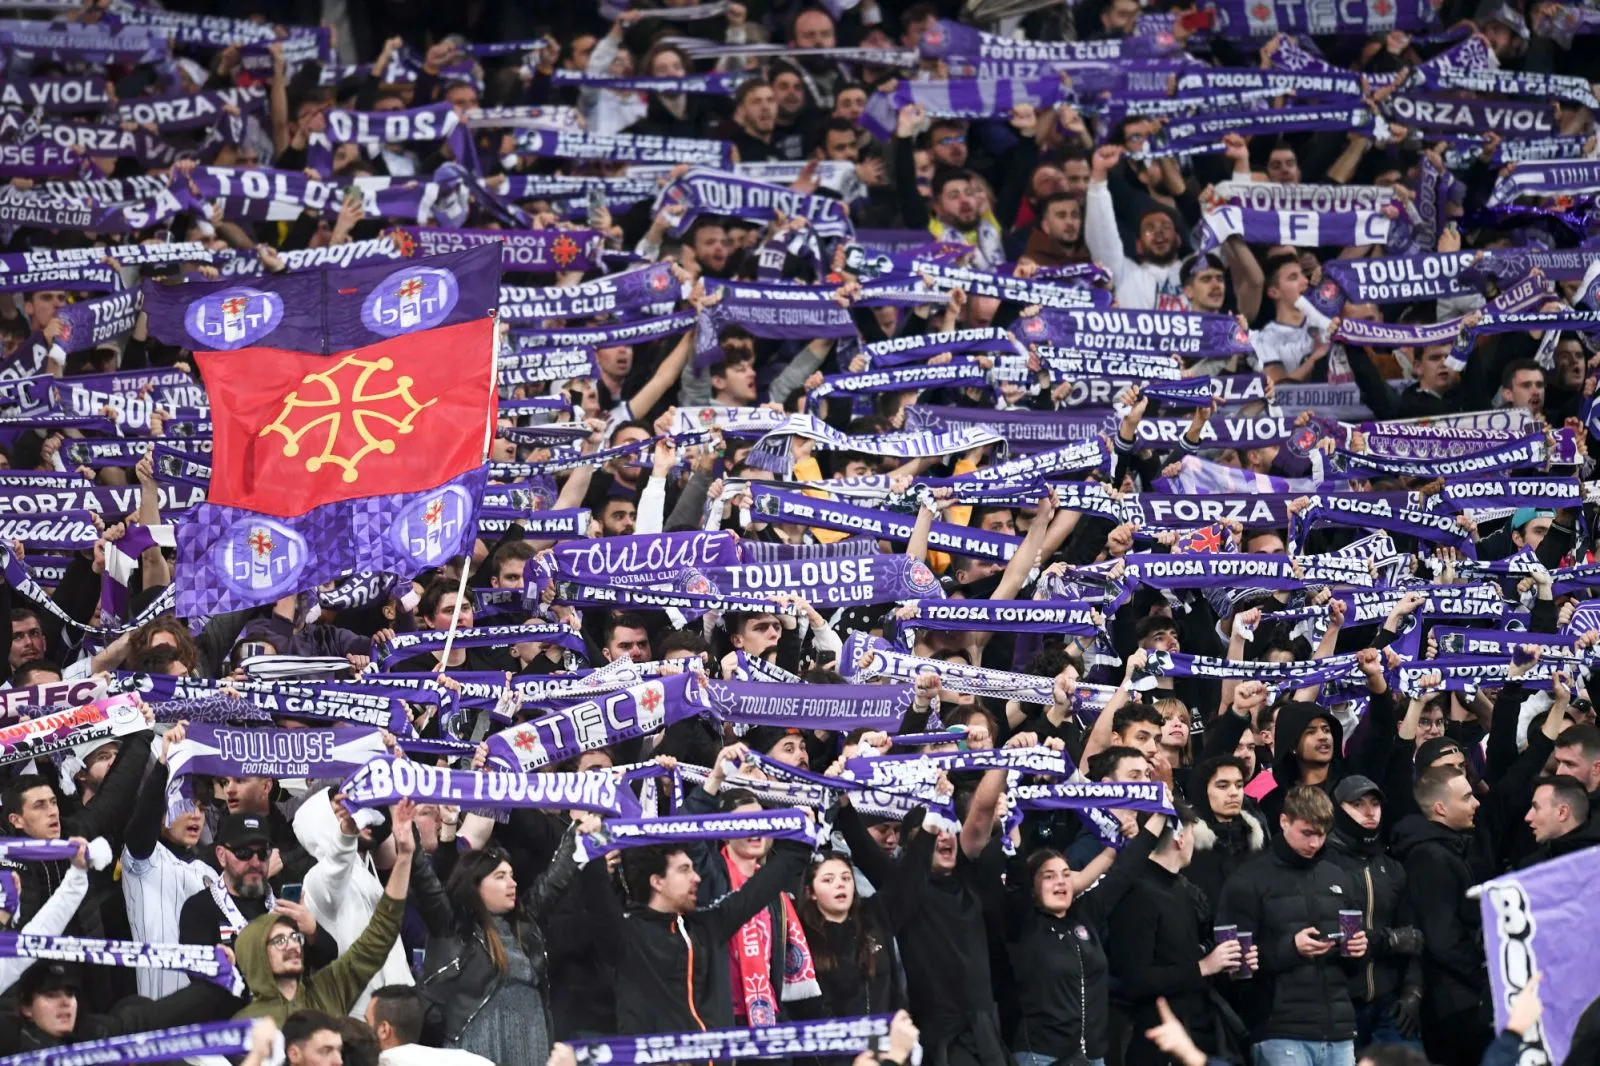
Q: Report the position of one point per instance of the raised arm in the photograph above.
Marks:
(978, 826)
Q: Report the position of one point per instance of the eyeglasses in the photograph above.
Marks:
(264, 852)
(286, 940)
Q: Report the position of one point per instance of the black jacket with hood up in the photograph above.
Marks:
(1367, 753)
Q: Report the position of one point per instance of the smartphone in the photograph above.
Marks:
(597, 205)
(352, 195)
(291, 893)
(1328, 936)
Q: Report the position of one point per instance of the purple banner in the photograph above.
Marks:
(1539, 920)
(229, 559)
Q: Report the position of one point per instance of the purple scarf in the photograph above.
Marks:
(600, 722)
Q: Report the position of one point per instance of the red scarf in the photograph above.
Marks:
(751, 954)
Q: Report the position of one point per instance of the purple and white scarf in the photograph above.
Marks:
(805, 706)
(100, 721)
(203, 960)
(419, 642)
(709, 192)
(1245, 19)
(866, 657)
(383, 782)
(596, 723)
(1302, 229)
(792, 824)
(632, 290)
(605, 335)
(190, 111)
(830, 1037)
(624, 147)
(539, 251)
(786, 507)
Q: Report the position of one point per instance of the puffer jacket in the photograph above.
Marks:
(1274, 896)
(1380, 879)
(458, 975)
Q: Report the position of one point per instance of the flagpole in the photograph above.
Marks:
(488, 440)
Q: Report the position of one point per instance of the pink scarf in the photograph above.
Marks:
(751, 951)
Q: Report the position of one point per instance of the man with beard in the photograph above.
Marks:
(813, 28)
(219, 912)
(956, 218)
(792, 130)
(1151, 278)
(273, 961)
(755, 117)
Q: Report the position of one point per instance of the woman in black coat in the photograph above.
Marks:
(852, 949)
(485, 975)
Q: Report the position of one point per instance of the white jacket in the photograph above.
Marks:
(50, 920)
(342, 889)
(1139, 286)
(422, 1055)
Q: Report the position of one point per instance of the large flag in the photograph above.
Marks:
(1542, 919)
(350, 411)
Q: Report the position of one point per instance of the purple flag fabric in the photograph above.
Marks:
(541, 251)
(1538, 920)
(229, 559)
(297, 311)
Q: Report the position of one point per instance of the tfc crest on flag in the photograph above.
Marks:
(350, 411)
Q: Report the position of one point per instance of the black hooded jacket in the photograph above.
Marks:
(1221, 847)
(1275, 896)
(1367, 753)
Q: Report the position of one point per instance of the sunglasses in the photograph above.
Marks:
(264, 852)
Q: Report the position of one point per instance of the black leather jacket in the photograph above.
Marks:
(458, 976)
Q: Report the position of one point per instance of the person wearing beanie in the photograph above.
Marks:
(1310, 748)
(1387, 990)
